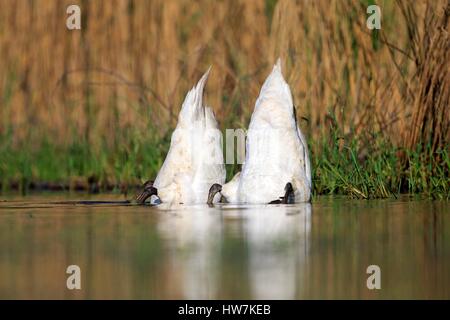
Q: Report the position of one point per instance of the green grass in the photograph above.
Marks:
(353, 166)
(379, 171)
(125, 164)
(370, 167)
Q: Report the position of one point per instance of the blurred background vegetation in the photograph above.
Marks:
(98, 105)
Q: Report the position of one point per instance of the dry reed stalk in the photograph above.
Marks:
(431, 50)
(131, 65)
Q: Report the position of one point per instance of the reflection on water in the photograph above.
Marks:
(266, 244)
(228, 252)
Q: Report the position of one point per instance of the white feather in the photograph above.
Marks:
(230, 189)
(195, 160)
(276, 151)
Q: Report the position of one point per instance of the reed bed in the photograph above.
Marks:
(102, 101)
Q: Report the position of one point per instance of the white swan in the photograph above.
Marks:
(277, 167)
(195, 159)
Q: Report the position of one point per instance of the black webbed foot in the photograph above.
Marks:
(288, 197)
(147, 191)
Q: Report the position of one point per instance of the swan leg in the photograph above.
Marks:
(147, 191)
(212, 192)
(288, 197)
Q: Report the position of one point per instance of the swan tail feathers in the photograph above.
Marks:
(275, 87)
(192, 109)
(211, 121)
(278, 64)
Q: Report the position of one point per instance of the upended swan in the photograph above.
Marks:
(195, 159)
(277, 167)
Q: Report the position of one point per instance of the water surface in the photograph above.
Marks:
(318, 251)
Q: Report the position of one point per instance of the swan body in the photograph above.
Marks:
(195, 159)
(276, 150)
(230, 189)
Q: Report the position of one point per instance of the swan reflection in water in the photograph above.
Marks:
(257, 251)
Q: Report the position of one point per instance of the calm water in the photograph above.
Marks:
(275, 252)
